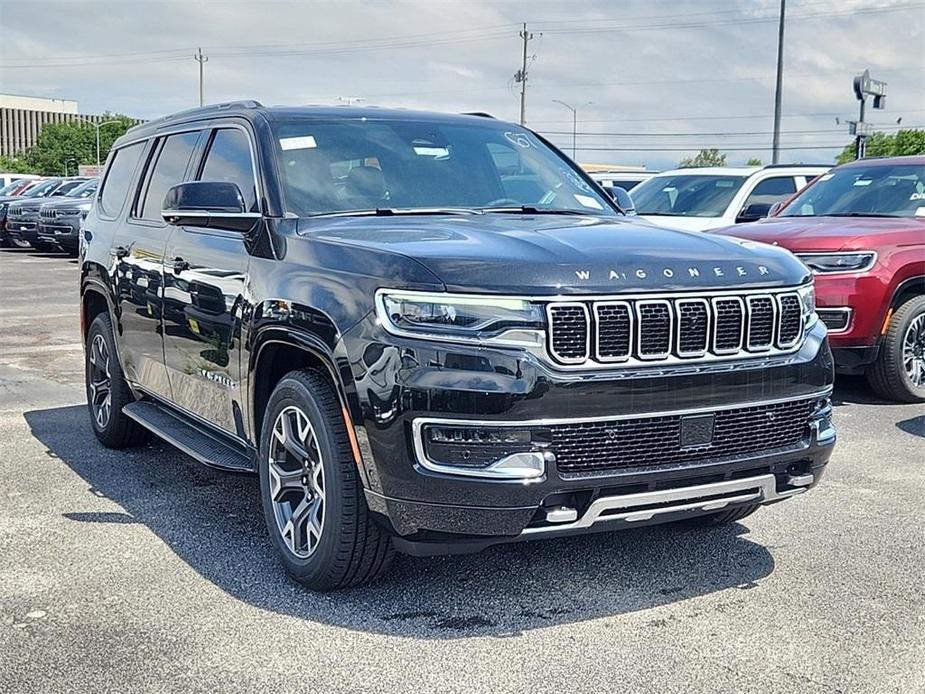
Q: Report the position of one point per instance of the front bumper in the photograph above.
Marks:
(63, 232)
(401, 382)
(22, 228)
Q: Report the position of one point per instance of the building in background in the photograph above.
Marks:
(23, 117)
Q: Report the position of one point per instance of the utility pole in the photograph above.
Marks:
(521, 75)
(200, 58)
(775, 145)
(865, 86)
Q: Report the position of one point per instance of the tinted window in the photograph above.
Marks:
(360, 165)
(42, 189)
(119, 178)
(883, 190)
(169, 169)
(229, 159)
(686, 195)
(67, 188)
(87, 190)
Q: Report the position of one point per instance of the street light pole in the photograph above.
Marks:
(574, 111)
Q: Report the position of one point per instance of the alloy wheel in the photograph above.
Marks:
(296, 476)
(99, 382)
(914, 351)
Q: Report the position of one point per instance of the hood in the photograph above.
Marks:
(555, 254)
(828, 233)
(66, 202)
(685, 223)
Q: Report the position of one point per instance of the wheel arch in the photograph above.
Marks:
(94, 300)
(278, 350)
(905, 290)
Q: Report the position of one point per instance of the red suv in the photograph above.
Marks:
(861, 229)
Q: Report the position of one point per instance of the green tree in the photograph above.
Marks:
(59, 145)
(705, 157)
(15, 165)
(754, 161)
(902, 142)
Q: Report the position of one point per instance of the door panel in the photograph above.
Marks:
(204, 277)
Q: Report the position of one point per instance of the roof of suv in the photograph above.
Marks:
(913, 160)
(249, 109)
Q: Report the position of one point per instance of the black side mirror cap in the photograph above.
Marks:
(214, 204)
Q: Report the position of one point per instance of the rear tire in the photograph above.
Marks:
(711, 520)
(311, 490)
(899, 372)
(107, 391)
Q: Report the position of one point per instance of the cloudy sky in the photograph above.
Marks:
(665, 77)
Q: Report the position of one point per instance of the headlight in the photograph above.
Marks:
(807, 295)
(461, 317)
(850, 261)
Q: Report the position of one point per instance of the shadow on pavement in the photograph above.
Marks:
(855, 390)
(212, 521)
(913, 425)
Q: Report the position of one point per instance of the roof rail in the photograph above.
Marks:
(480, 114)
(224, 106)
(790, 166)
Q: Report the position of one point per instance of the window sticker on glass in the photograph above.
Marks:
(518, 139)
(724, 183)
(431, 151)
(920, 211)
(305, 142)
(588, 201)
(825, 177)
(863, 181)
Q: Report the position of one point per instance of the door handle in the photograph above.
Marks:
(179, 265)
(118, 252)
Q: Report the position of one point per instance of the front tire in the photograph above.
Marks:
(311, 491)
(899, 372)
(107, 391)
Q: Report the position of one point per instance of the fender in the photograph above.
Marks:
(333, 359)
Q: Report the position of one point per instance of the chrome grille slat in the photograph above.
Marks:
(639, 330)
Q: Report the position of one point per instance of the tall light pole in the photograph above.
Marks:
(97, 127)
(201, 59)
(574, 111)
(775, 143)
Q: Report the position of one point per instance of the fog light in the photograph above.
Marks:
(500, 452)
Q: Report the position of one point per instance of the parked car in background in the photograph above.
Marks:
(22, 215)
(698, 199)
(17, 191)
(435, 333)
(627, 180)
(60, 218)
(7, 178)
(861, 229)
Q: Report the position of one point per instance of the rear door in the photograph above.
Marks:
(205, 273)
(138, 260)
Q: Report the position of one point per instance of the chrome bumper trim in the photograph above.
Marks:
(702, 497)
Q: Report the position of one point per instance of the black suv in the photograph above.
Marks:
(22, 215)
(434, 333)
(60, 218)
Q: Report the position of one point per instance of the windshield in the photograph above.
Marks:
(863, 191)
(42, 189)
(67, 187)
(10, 186)
(361, 164)
(86, 190)
(686, 195)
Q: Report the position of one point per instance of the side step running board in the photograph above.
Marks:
(206, 447)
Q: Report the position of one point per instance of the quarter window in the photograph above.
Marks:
(169, 169)
(770, 190)
(229, 159)
(119, 178)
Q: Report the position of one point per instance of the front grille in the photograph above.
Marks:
(622, 444)
(45, 213)
(681, 328)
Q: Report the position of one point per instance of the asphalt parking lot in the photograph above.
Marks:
(145, 571)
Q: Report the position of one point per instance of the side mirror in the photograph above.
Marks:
(753, 212)
(776, 207)
(622, 198)
(213, 204)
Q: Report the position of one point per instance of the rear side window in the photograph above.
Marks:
(229, 159)
(169, 169)
(770, 190)
(119, 178)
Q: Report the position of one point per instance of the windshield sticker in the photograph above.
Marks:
(575, 180)
(863, 181)
(519, 139)
(917, 196)
(920, 211)
(289, 143)
(826, 177)
(588, 201)
(725, 183)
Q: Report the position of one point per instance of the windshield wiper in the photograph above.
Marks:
(398, 211)
(532, 209)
